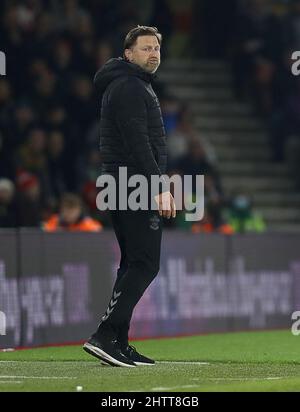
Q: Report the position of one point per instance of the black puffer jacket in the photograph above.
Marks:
(132, 133)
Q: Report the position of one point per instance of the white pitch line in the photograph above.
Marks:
(162, 388)
(184, 362)
(8, 361)
(48, 361)
(275, 377)
(35, 377)
(241, 379)
(89, 362)
(13, 382)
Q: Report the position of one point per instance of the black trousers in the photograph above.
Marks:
(139, 236)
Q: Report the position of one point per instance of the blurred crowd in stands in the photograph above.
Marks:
(49, 156)
(266, 39)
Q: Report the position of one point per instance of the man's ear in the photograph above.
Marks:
(127, 54)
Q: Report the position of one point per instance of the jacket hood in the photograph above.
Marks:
(115, 68)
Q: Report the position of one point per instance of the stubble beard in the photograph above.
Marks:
(149, 67)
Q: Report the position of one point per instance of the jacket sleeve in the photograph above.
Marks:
(132, 121)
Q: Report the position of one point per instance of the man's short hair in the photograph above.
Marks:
(138, 31)
(70, 201)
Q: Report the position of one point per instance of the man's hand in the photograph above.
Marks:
(166, 204)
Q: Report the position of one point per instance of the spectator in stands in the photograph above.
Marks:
(47, 109)
(103, 53)
(30, 206)
(45, 90)
(62, 63)
(170, 107)
(8, 216)
(32, 158)
(182, 134)
(284, 86)
(292, 26)
(32, 154)
(71, 217)
(89, 173)
(6, 101)
(195, 162)
(81, 104)
(212, 223)
(23, 120)
(242, 217)
(258, 49)
(57, 118)
(7, 168)
(56, 164)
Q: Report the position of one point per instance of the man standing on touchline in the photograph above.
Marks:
(132, 134)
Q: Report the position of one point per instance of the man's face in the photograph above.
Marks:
(70, 215)
(145, 53)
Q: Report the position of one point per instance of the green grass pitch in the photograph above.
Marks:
(250, 361)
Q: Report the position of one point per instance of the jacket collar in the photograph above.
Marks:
(138, 71)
